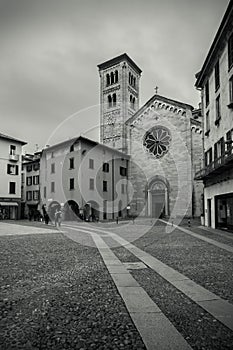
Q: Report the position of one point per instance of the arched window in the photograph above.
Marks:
(107, 79)
(116, 76)
(114, 100)
(112, 78)
(133, 102)
(129, 78)
(130, 100)
(109, 101)
(134, 81)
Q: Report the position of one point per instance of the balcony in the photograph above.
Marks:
(14, 157)
(216, 167)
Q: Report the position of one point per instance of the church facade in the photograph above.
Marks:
(163, 139)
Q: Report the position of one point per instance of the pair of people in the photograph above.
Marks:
(58, 217)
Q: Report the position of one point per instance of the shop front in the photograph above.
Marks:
(9, 210)
(224, 211)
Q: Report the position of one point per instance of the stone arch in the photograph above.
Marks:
(71, 210)
(157, 192)
(53, 206)
(94, 210)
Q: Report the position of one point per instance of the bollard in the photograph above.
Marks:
(117, 219)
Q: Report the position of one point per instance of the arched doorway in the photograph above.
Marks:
(53, 206)
(71, 210)
(94, 211)
(158, 198)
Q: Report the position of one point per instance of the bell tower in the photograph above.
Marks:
(119, 99)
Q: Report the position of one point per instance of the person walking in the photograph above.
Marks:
(58, 217)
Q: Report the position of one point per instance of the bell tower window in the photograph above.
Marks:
(109, 101)
(116, 76)
(107, 79)
(114, 100)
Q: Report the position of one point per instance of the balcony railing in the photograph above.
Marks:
(217, 166)
(14, 157)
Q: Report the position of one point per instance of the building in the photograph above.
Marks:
(215, 81)
(163, 138)
(10, 177)
(30, 206)
(84, 178)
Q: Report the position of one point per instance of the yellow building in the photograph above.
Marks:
(10, 177)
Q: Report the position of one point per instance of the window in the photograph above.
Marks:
(91, 184)
(35, 195)
(23, 178)
(71, 148)
(45, 192)
(217, 76)
(122, 188)
(12, 150)
(12, 187)
(29, 180)
(208, 157)
(207, 123)
(123, 171)
(219, 149)
(105, 209)
(114, 100)
(36, 166)
(112, 77)
(72, 184)
(229, 142)
(109, 101)
(29, 195)
(132, 102)
(12, 169)
(52, 186)
(71, 163)
(116, 76)
(230, 51)
(207, 97)
(36, 180)
(52, 168)
(107, 79)
(91, 163)
(52, 154)
(231, 92)
(29, 168)
(105, 186)
(106, 167)
(218, 111)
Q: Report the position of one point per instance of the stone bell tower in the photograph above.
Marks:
(119, 99)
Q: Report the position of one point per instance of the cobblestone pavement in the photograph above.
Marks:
(59, 292)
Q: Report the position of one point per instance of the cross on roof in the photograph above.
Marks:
(156, 89)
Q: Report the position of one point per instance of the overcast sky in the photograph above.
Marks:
(49, 50)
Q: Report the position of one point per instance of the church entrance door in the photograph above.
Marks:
(158, 204)
(158, 199)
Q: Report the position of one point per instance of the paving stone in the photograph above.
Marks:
(221, 310)
(124, 280)
(137, 300)
(194, 291)
(158, 333)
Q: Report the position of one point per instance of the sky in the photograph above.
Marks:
(49, 51)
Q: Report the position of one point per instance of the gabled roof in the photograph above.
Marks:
(118, 59)
(10, 138)
(158, 98)
(218, 40)
(84, 139)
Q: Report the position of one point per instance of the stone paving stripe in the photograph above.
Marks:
(195, 292)
(156, 330)
(131, 295)
(206, 239)
(124, 279)
(14, 229)
(155, 333)
(220, 310)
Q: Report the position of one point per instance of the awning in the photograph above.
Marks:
(11, 204)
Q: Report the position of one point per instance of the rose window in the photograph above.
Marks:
(157, 141)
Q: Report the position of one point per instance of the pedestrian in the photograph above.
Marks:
(58, 217)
